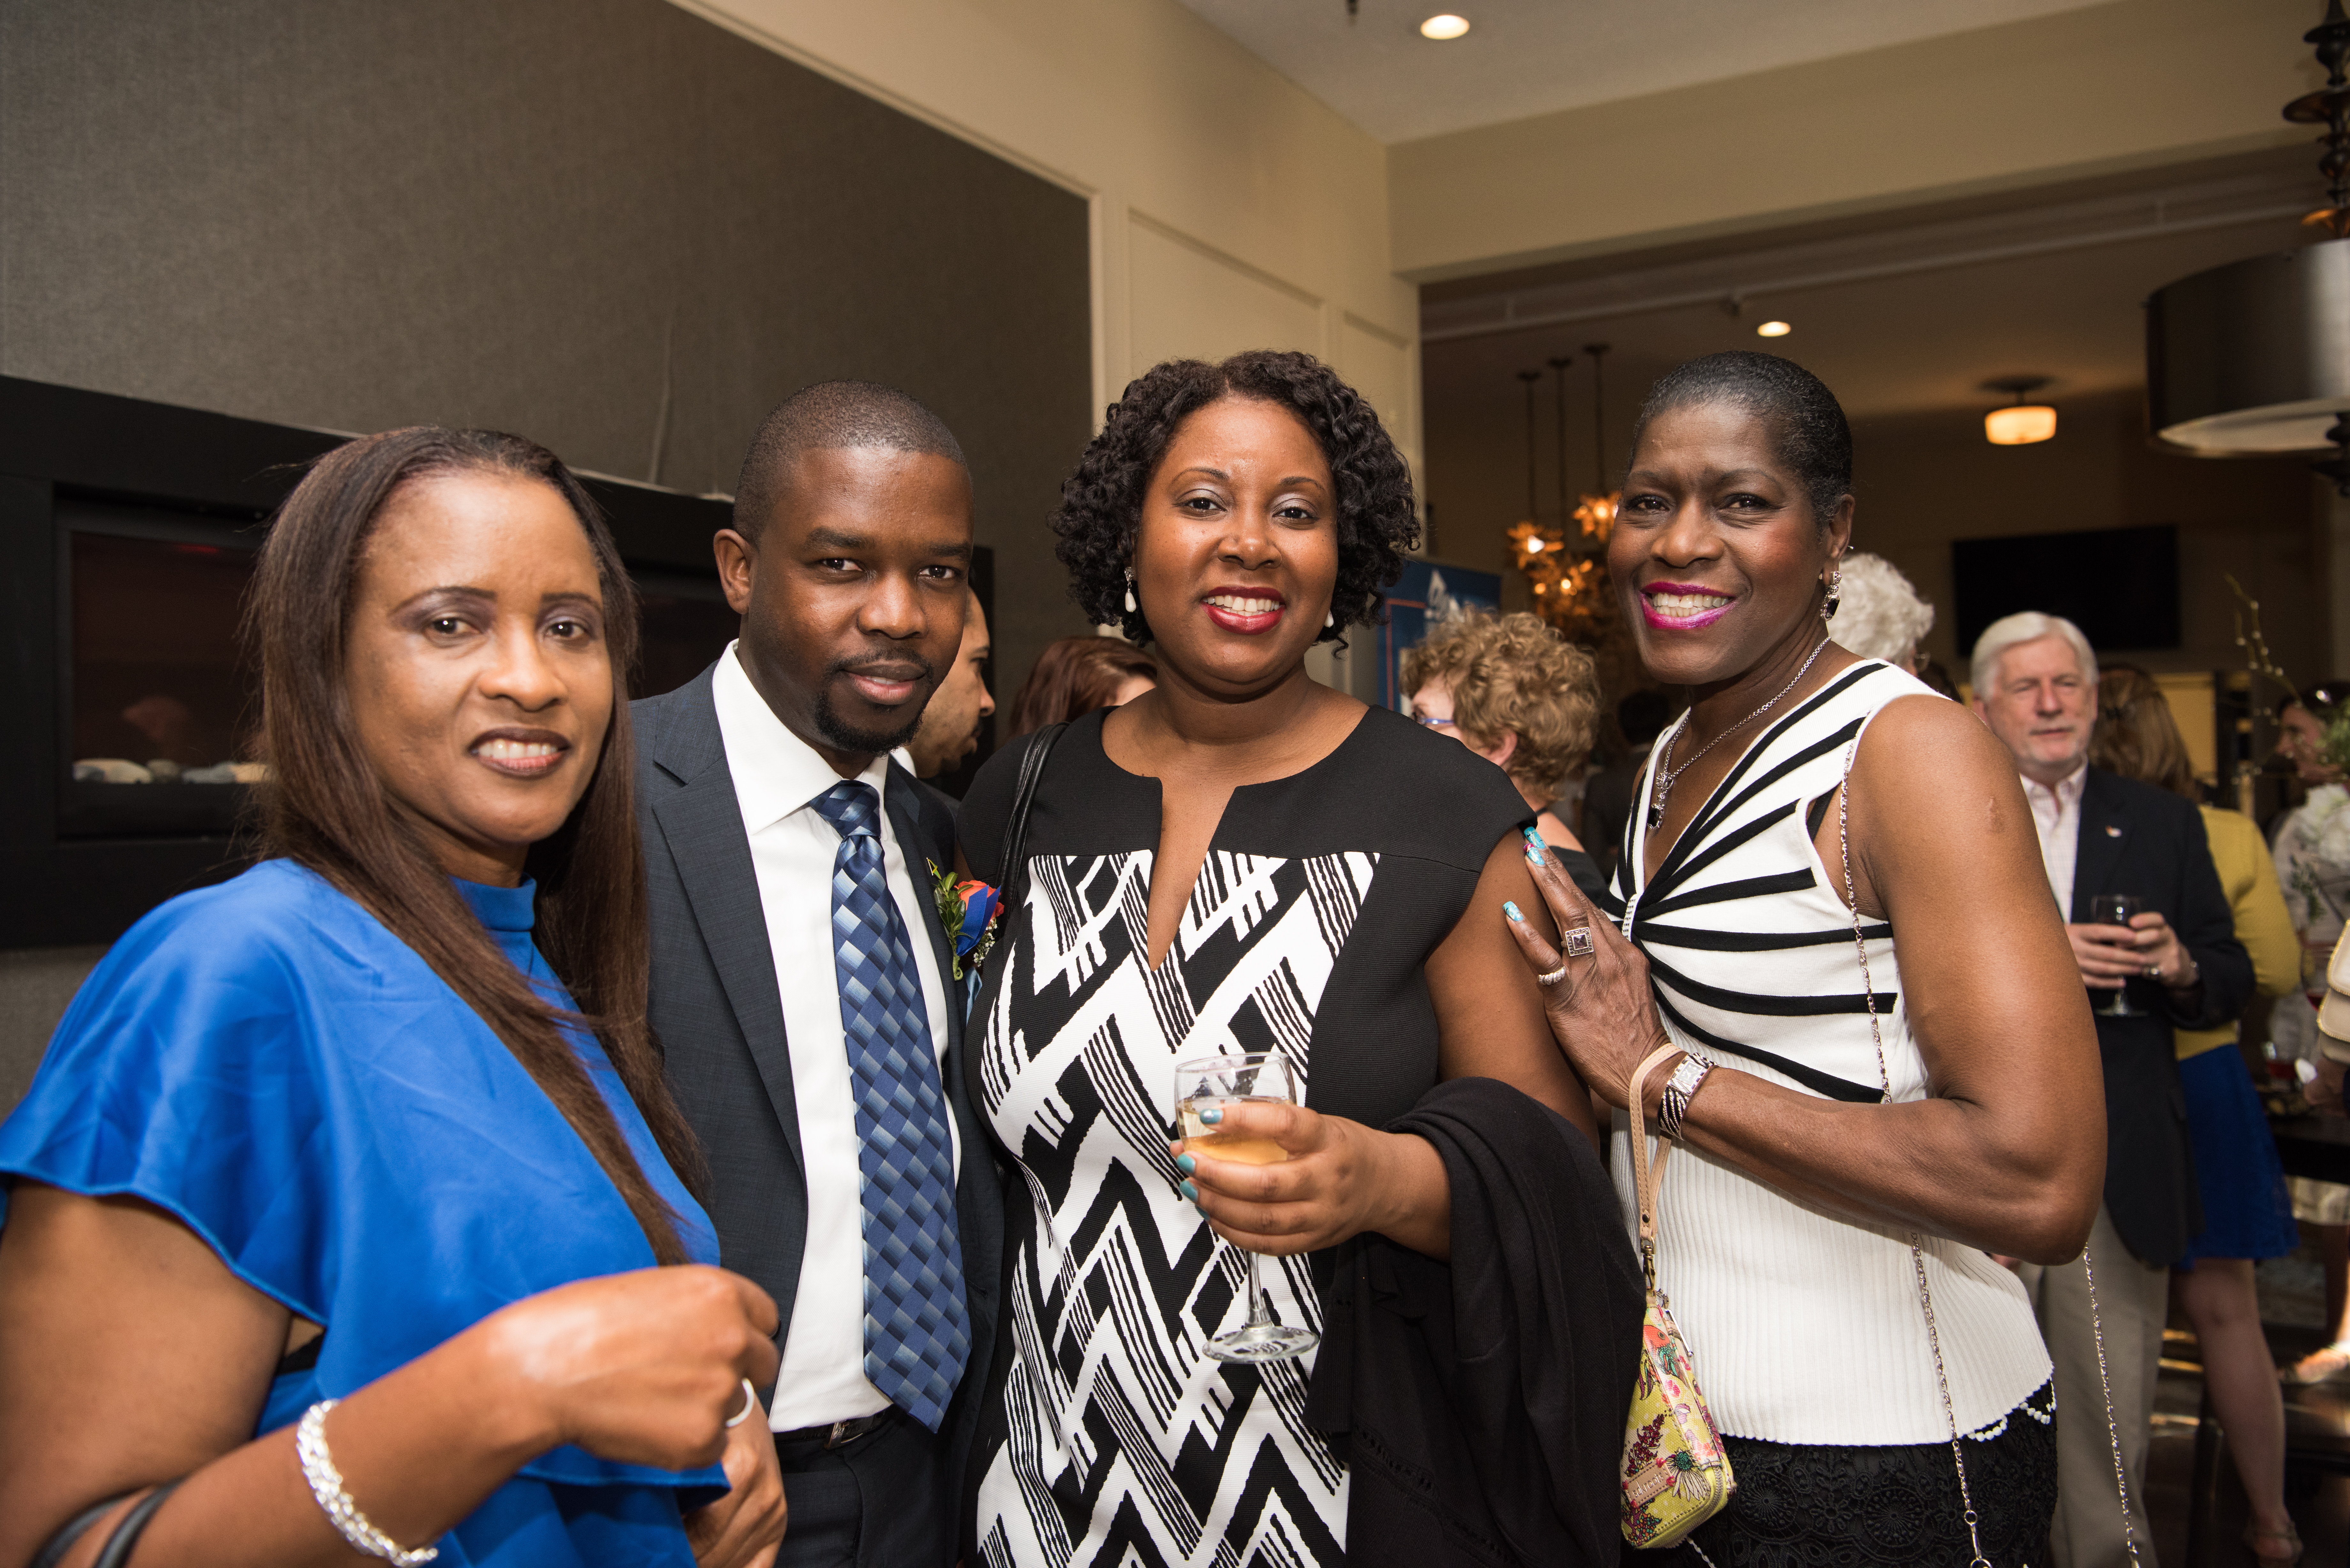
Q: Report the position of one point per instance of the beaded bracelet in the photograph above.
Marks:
(326, 1486)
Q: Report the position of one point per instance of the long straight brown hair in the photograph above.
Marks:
(325, 806)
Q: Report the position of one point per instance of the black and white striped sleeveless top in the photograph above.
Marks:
(1806, 1328)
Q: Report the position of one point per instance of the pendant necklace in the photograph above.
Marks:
(1667, 772)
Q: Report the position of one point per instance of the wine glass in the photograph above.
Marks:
(2115, 910)
(1207, 1083)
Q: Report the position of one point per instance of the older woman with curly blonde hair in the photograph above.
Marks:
(1517, 694)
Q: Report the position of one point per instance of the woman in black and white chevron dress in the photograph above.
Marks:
(1243, 859)
(1860, 1132)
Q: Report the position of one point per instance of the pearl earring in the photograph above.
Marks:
(1131, 607)
(1329, 619)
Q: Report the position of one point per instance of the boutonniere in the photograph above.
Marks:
(967, 910)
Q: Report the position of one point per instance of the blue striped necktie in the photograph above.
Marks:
(917, 1329)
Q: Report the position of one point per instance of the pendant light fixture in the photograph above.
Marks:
(2254, 357)
(2020, 423)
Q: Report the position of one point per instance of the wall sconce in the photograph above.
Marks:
(2022, 423)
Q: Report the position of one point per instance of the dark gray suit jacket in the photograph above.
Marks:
(720, 1017)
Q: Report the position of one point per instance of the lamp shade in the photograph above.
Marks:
(2021, 425)
(2254, 357)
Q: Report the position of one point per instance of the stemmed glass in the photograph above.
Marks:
(1259, 1077)
(2115, 910)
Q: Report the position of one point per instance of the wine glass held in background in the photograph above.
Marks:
(1203, 1086)
(2117, 909)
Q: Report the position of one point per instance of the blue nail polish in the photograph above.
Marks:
(1213, 1115)
(1189, 1192)
(1186, 1164)
(1534, 847)
(1509, 908)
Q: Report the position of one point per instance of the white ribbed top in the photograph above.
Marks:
(1805, 1327)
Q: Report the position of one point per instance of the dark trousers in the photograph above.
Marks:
(881, 1501)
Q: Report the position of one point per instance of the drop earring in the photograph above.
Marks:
(1131, 607)
(1835, 578)
(1329, 619)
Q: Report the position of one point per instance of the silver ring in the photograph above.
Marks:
(1552, 978)
(1578, 942)
(2154, 971)
(750, 1403)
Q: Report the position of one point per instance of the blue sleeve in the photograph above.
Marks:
(183, 1075)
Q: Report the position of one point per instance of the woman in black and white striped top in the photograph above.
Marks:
(1949, 1100)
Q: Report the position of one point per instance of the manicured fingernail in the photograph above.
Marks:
(1186, 1164)
(1191, 1193)
(1213, 1115)
(1509, 908)
(1534, 847)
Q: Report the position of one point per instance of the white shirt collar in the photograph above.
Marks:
(2066, 791)
(775, 773)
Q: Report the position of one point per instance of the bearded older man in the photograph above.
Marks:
(2176, 965)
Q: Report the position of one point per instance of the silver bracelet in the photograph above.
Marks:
(1675, 1102)
(326, 1486)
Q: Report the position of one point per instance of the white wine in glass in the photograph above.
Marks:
(1208, 1083)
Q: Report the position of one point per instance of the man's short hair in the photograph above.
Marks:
(2026, 626)
(830, 416)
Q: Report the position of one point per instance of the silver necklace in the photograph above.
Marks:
(1666, 773)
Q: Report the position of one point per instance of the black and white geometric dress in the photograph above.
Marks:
(1114, 1438)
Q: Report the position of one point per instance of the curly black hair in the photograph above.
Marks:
(1101, 501)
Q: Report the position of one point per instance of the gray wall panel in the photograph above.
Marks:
(606, 223)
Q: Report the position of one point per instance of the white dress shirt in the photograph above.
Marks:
(777, 776)
(2057, 812)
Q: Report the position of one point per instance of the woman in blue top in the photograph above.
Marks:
(340, 1200)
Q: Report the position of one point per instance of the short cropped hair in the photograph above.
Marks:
(1809, 432)
(830, 416)
(1101, 501)
(1514, 675)
(2026, 626)
(1878, 614)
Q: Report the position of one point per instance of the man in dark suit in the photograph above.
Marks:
(800, 971)
(2179, 966)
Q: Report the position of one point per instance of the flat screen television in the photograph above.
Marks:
(2119, 585)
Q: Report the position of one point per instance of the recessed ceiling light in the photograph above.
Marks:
(1443, 26)
(1773, 329)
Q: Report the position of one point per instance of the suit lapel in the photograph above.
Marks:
(702, 825)
(2105, 836)
(905, 820)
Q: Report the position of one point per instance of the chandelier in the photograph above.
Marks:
(1565, 563)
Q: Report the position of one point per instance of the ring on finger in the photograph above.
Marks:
(750, 1403)
(1577, 943)
(1552, 977)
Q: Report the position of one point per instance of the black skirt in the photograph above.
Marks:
(1813, 1506)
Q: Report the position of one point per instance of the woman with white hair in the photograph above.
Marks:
(1878, 615)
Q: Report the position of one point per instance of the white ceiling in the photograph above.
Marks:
(1531, 56)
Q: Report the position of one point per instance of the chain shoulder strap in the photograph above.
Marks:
(1916, 1248)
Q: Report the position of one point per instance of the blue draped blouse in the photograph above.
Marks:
(265, 1061)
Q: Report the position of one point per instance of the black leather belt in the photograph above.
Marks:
(832, 1435)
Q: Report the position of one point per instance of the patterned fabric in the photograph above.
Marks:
(1804, 1506)
(1125, 1443)
(1751, 955)
(917, 1327)
(1675, 1474)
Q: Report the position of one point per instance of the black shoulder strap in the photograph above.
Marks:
(1011, 865)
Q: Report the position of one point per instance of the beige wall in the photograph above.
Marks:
(1232, 209)
(2138, 83)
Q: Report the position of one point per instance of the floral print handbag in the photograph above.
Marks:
(1676, 1474)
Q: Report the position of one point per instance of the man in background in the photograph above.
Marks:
(2180, 966)
(951, 725)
